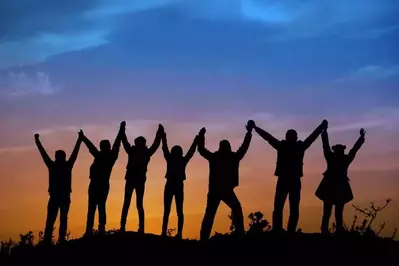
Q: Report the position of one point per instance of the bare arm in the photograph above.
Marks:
(47, 160)
(165, 148)
(245, 145)
(192, 149)
(92, 149)
(268, 137)
(117, 144)
(201, 145)
(74, 154)
(315, 134)
(357, 146)
(326, 144)
(157, 141)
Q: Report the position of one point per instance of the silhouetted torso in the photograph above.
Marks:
(60, 178)
(337, 166)
(176, 169)
(100, 170)
(223, 170)
(290, 159)
(138, 160)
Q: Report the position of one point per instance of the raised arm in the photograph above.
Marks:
(125, 142)
(191, 151)
(165, 148)
(117, 143)
(92, 149)
(315, 134)
(74, 154)
(266, 136)
(326, 144)
(157, 140)
(247, 140)
(357, 146)
(42, 151)
(201, 145)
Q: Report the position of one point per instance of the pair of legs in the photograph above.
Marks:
(130, 186)
(213, 201)
(339, 216)
(291, 187)
(176, 190)
(98, 194)
(55, 203)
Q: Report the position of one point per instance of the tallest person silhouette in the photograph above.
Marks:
(289, 170)
(223, 178)
(139, 156)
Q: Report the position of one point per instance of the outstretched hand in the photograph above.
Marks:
(36, 136)
(161, 130)
(250, 125)
(362, 132)
(123, 124)
(324, 124)
(202, 132)
(81, 134)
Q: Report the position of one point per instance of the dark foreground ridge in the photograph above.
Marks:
(266, 248)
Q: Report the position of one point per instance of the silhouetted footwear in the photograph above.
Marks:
(178, 236)
(122, 230)
(141, 230)
(101, 231)
(61, 241)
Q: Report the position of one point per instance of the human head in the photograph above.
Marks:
(176, 151)
(105, 145)
(60, 156)
(140, 142)
(339, 149)
(224, 146)
(291, 135)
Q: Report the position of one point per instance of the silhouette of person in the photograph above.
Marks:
(100, 173)
(60, 188)
(223, 178)
(175, 176)
(334, 189)
(289, 170)
(139, 156)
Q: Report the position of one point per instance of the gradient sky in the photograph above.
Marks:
(71, 64)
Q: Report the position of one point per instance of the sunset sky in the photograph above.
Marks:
(71, 64)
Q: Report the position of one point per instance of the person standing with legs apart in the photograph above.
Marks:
(100, 173)
(289, 170)
(139, 156)
(334, 189)
(223, 178)
(60, 188)
(175, 176)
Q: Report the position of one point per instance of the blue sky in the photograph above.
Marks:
(158, 57)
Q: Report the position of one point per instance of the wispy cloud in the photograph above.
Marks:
(21, 84)
(372, 72)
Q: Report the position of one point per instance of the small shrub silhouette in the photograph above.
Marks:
(257, 224)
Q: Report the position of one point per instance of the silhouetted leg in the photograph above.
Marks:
(52, 212)
(237, 216)
(279, 201)
(327, 208)
(91, 210)
(102, 214)
(212, 205)
(167, 202)
(140, 188)
(64, 210)
(294, 198)
(339, 217)
(126, 203)
(179, 198)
